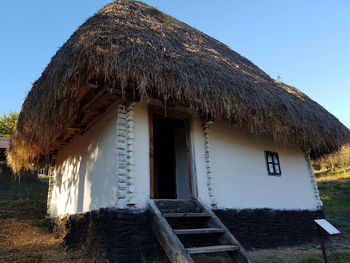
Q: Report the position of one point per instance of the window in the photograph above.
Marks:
(273, 163)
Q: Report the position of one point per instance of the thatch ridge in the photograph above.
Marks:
(131, 42)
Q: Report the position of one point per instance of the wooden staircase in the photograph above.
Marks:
(186, 228)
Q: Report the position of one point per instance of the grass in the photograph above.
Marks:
(38, 222)
(26, 203)
(23, 201)
(73, 254)
(335, 193)
(334, 187)
(24, 236)
(12, 190)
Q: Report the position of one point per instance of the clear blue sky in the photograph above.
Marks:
(306, 43)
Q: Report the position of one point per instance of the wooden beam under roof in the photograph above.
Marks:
(88, 112)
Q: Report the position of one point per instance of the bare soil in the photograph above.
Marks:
(25, 239)
(24, 243)
(299, 255)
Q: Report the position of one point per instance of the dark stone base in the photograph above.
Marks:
(117, 235)
(266, 228)
(112, 235)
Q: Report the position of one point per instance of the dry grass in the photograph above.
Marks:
(335, 160)
(334, 189)
(24, 243)
(143, 53)
(24, 238)
(24, 201)
(340, 174)
(305, 254)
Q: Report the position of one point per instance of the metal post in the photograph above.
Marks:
(323, 247)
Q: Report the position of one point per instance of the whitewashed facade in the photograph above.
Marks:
(109, 166)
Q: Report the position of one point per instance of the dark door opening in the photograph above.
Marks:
(171, 176)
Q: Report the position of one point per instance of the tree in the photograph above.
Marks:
(7, 124)
(340, 159)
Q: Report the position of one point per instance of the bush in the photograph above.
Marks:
(340, 159)
(8, 123)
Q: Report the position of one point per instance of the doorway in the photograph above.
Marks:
(170, 158)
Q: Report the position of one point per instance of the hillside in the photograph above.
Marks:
(25, 238)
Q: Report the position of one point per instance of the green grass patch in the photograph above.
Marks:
(13, 190)
(334, 187)
(335, 194)
(38, 222)
(311, 260)
(43, 176)
(22, 209)
(72, 254)
(23, 201)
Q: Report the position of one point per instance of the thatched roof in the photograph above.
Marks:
(133, 50)
(5, 142)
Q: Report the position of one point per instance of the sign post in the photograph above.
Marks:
(325, 228)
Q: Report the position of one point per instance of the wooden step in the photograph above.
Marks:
(187, 215)
(211, 249)
(198, 231)
(178, 206)
(174, 232)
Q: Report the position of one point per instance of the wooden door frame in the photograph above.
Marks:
(187, 118)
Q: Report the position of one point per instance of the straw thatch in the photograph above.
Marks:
(134, 48)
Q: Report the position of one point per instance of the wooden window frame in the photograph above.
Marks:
(274, 164)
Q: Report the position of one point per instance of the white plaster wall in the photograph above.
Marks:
(85, 170)
(141, 155)
(182, 164)
(86, 177)
(240, 176)
(199, 151)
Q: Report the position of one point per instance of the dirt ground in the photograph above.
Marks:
(306, 254)
(25, 239)
(21, 242)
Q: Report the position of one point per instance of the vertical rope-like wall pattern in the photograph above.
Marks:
(51, 183)
(125, 157)
(313, 181)
(210, 185)
(52, 180)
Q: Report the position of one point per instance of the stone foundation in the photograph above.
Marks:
(266, 228)
(125, 235)
(112, 235)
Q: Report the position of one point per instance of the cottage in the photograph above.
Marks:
(145, 121)
(5, 172)
(4, 145)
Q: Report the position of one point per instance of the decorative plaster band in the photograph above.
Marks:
(125, 156)
(51, 184)
(313, 181)
(210, 185)
(52, 179)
